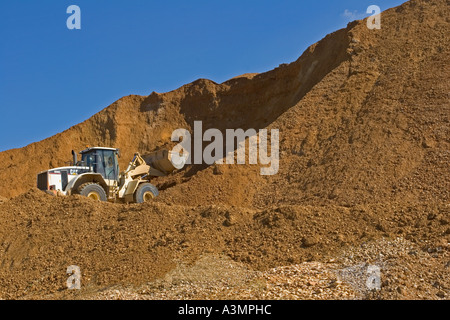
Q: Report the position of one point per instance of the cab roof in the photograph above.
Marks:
(98, 148)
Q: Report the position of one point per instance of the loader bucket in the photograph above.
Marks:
(165, 161)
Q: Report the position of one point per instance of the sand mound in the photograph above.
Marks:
(363, 120)
(362, 114)
(375, 128)
(136, 123)
(113, 245)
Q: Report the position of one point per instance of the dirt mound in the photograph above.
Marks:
(374, 129)
(362, 114)
(141, 124)
(130, 245)
(364, 140)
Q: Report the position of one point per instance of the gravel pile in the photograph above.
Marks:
(382, 269)
(218, 278)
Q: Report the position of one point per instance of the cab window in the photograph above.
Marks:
(109, 164)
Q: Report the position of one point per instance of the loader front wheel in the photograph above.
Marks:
(145, 192)
(92, 191)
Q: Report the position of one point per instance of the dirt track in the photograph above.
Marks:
(364, 168)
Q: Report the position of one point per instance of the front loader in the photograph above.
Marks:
(97, 175)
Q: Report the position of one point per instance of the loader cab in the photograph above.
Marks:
(103, 161)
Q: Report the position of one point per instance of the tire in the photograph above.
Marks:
(145, 193)
(93, 191)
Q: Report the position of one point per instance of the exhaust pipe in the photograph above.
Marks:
(75, 158)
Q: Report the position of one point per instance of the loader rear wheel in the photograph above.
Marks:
(93, 191)
(145, 192)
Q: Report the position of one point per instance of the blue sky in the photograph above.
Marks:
(52, 78)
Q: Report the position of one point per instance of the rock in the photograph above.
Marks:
(334, 283)
(308, 242)
(231, 219)
(218, 170)
(428, 143)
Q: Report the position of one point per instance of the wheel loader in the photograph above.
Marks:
(97, 175)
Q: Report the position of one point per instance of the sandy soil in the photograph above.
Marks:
(364, 180)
